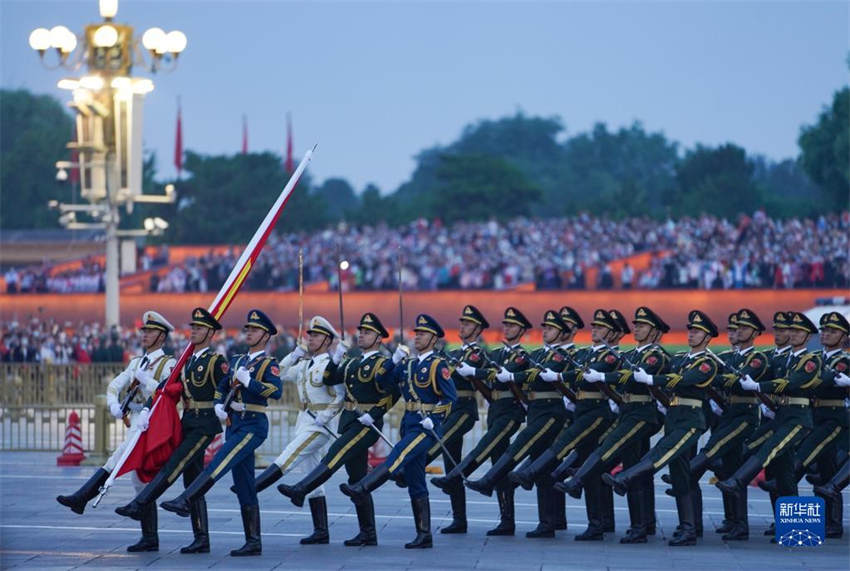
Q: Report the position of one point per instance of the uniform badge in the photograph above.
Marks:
(275, 370)
(474, 358)
(200, 368)
(840, 367)
(610, 359)
(704, 368)
(424, 370)
(810, 366)
(520, 360)
(446, 373)
(756, 362)
(652, 360)
(558, 357)
(366, 368)
(224, 368)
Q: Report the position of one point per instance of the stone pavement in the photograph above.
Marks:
(38, 533)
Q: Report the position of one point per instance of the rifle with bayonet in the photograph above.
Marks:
(560, 386)
(608, 391)
(762, 397)
(656, 392)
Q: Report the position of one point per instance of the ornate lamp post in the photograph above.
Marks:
(108, 102)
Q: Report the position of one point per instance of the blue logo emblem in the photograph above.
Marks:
(800, 521)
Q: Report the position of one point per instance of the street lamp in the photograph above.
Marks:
(108, 102)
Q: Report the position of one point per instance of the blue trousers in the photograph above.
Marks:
(411, 454)
(242, 437)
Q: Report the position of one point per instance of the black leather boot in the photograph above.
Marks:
(686, 531)
(200, 528)
(559, 511)
(834, 518)
(149, 494)
(696, 496)
(507, 525)
(526, 475)
(150, 538)
(466, 467)
(78, 500)
(370, 482)
(251, 524)
(637, 532)
(728, 509)
(831, 490)
(366, 520)
(649, 500)
(310, 482)
(181, 505)
(269, 476)
(561, 473)
(573, 485)
(740, 528)
(736, 484)
(698, 466)
(593, 505)
(607, 509)
(545, 512)
(493, 476)
(458, 499)
(422, 518)
(628, 477)
(319, 513)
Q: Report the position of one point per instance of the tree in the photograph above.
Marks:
(717, 181)
(787, 189)
(36, 129)
(339, 196)
(825, 150)
(478, 187)
(226, 198)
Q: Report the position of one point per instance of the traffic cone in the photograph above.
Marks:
(72, 452)
(213, 447)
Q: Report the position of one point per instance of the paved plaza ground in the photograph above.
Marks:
(38, 533)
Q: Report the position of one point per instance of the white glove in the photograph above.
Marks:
(219, 411)
(571, 406)
(116, 411)
(297, 353)
(322, 417)
(715, 408)
(766, 412)
(642, 377)
(144, 418)
(550, 376)
(613, 406)
(243, 376)
(401, 352)
(366, 419)
(465, 370)
(339, 352)
(504, 376)
(237, 406)
(592, 376)
(427, 423)
(748, 384)
(842, 380)
(661, 408)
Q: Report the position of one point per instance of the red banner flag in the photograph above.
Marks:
(178, 142)
(244, 135)
(288, 143)
(154, 446)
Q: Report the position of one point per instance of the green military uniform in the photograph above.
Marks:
(629, 438)
(461, 419)
(504, 418)
(683, 425)
(200, 377)
(546, 417)
(793, 419)
(366, 392)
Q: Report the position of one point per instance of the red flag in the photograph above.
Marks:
(178, 142)
(244, 135)
(288, 143)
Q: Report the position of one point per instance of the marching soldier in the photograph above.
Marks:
(546, 417)
(830, 418)
(684, 423)
(200, 378)
(831, 490)
(793, 419)
(464, 413)
(364, 380)
(736, 423)
(638, 421)
(141, 377)
(241, 400)
(317, 422)
(425, 382)
(503, 417)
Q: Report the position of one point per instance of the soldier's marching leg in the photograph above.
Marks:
(414, 474)
(356, 467)
(545, 463)
(559, 511)
(198, 507)
(296, 493)
(494, 475)
(243, 478)
(457, 493)
(319, 514)
(150, 537)
(78, 500)
(827, 466)
(593, 506)
(507, 523)
(153, 490)
(545, 511)
(686, 532)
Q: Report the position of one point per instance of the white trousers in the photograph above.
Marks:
(307, 448)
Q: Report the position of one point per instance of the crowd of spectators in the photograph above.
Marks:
(560, 253)
(50, 342)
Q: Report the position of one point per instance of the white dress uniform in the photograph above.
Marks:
(158, 365)
(311, 440)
